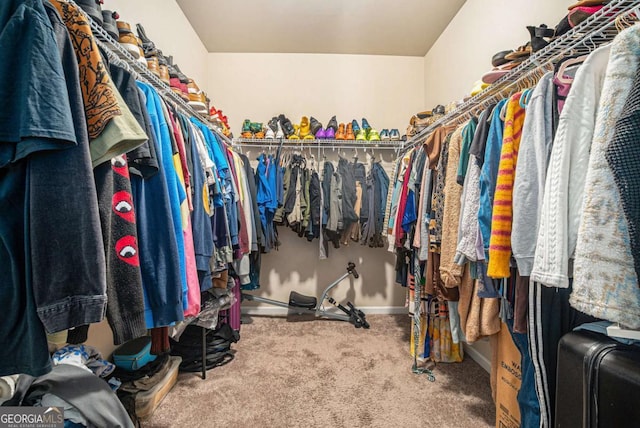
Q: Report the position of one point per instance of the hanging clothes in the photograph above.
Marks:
(605, 281)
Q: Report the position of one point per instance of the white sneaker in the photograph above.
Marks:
(280, 133)
(270, 135)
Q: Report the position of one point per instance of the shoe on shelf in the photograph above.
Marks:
(321, 134)
(141, 59)
(148, 49)
(173, 73)
(279, 132)
(246, 125)
(153, 65)
(179, 88)
(127, 39)
(93, 9)
(384, 134)
(224, 120)
(329, 133)
(296, 132)
(287, 126)
(305, 128)
(273, 124)
(349, 135)
(355, 126)
(147, 45)
(365, 124)
(259, 135)
(247, 135)
(270, 134)
(198, 102)
(373, 135)
(109, 19)
(361, 136)
(178, 92)
(341, 134)
(192, 87)
(394, 135)
(315, 125)
(164, 70)
(333, 124)
(183, 77)
(255, 127)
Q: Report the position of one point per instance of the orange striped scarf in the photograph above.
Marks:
(500, 243)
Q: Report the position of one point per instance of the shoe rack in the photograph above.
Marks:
(122, 57)
(599, 29)
(395, 145)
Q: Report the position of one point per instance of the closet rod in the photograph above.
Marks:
(598, 29)
(325, 147)
(141, 72)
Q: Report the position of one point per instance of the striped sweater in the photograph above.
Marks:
(500, 242)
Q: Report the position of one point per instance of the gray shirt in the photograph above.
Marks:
(531, 171)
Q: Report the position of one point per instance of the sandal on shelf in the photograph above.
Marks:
(538, 36)
(522, 52)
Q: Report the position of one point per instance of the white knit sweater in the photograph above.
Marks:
(564, 184)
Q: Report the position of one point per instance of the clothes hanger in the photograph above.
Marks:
(560, 74)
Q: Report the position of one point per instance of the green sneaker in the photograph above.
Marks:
(246, 125)
(255, 127)
(373, 135)
(361, 136)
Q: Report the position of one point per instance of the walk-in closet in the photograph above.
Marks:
(320, 214)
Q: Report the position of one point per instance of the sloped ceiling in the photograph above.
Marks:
(373, 27)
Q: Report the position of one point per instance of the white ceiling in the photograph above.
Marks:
(374, 27)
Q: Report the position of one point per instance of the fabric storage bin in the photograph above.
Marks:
(134, 354)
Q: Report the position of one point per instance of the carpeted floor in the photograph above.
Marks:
(328, 374)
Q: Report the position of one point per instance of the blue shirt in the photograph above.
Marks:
(489, 174)
(174, 188)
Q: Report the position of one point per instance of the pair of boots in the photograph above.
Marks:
(345, 132)
(328, 133)
(252, 130)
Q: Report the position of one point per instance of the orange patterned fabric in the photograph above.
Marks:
(100, 103)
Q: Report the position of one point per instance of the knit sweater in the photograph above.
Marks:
(500, 242)
(623, 155)
(605, 281)
(564, 184)
(449, 271)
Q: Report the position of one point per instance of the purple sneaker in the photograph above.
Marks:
(330, 134)
(321, 134)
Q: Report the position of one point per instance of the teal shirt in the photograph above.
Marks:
(467, 138)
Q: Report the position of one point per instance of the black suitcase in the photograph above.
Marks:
(598, 383)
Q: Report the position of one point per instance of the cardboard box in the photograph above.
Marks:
(509, 377)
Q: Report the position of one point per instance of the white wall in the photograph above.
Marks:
(165, 24)
(387, 90)
(481, 28)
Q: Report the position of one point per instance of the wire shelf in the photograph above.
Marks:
(240, 143)
(116, 52)
(597, 30)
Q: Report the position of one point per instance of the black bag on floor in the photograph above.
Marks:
(217, 348)
(598, 382)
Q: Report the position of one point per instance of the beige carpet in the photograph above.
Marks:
(328, 374)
